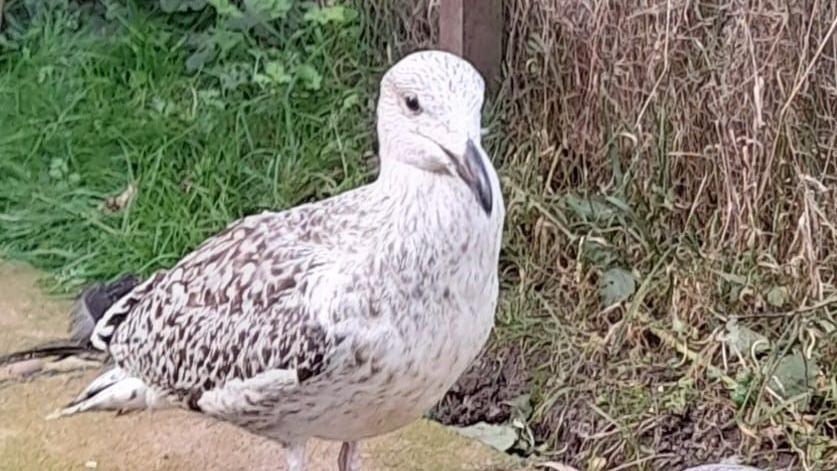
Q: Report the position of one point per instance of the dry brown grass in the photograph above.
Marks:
(702, 137)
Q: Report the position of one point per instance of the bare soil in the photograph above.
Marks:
(164, 440)
(485, 390)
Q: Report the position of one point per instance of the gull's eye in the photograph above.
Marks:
(412, 103)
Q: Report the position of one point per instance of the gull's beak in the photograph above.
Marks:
(471, 168)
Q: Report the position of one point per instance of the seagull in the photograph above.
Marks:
(341, 319)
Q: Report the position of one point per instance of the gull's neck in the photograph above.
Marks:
(397, 177)
(409, 194)
(417, 189)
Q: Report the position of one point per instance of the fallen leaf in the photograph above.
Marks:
(499, 437)
(117, 203)
(616, 285)
(744, 340)
(778, 296)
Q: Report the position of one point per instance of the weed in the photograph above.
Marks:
(84, 116)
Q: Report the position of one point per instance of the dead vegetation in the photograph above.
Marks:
(670, 268)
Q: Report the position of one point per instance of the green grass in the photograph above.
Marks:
(83, 115)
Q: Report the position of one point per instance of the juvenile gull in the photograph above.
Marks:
(341, 319)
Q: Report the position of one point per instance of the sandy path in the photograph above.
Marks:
(164, 440)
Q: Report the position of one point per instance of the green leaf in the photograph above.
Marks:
(198, 59)
(225, 8)
(744, 340)
(588, 208)
(275, 71)
(311, 79)
(778, 296)
(232, 74)
(58, 168)
(268, 10)
(350, 101)
(598, 254)
(212, 98)
(619, 203)
(334, 14)
(616, 286)
(45, 72)
(162, 106)
(499, 437)
(521, 407)
(794, 376)
(680, 396)
(171, 6)
(226, 40)
(741, 391)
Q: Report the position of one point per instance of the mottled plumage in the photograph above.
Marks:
(340, 319)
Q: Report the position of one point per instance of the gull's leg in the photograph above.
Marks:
(349, 459)
(295, 456)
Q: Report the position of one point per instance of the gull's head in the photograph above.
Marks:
(429, 118)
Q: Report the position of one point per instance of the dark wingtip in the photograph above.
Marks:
(90, 306)
(94, 302)
(57, 348)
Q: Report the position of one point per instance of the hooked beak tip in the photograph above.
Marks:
(471, 167)
(475, 175)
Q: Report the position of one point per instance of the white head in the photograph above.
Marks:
(429, 118)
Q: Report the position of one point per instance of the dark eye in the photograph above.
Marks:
(412, 103)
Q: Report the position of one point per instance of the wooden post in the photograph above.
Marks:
(473, 29)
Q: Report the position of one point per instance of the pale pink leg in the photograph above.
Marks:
(349, 459)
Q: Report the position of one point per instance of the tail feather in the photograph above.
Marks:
(90, 306)
(113, 390)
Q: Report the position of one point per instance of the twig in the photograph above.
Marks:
(800, 310)
(695, 357)
(796, 87)
(638, 124)
(635, 313)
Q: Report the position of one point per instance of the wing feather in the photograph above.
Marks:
(231, 310)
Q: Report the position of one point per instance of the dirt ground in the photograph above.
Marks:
(485, 391)
(165, 440)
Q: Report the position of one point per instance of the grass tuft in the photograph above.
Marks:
(86, 115)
